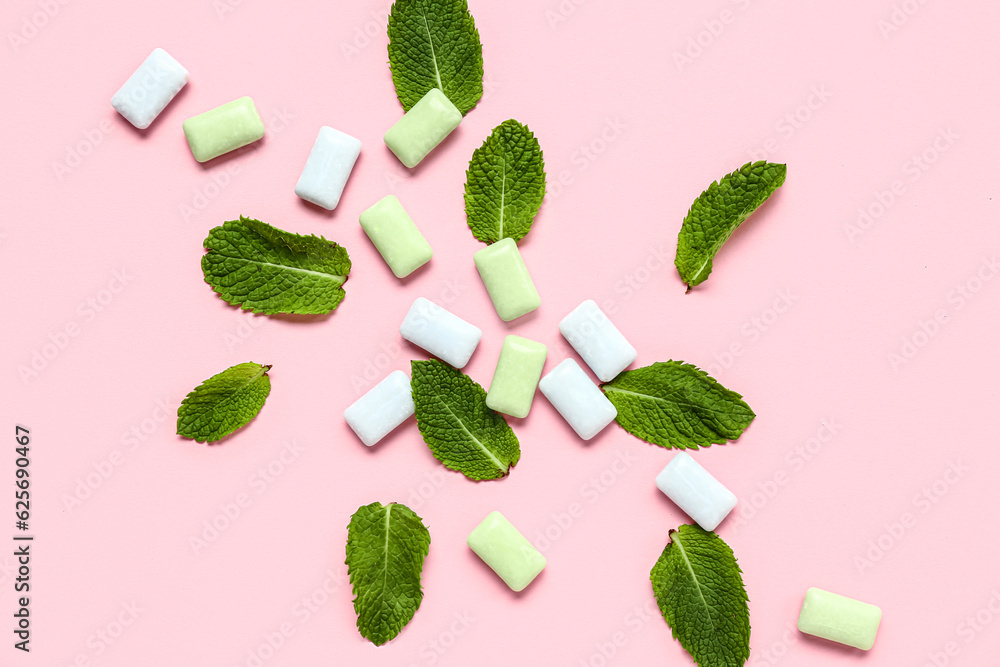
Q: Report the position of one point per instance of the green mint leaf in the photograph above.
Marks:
(386, 547)
(700, 592)
(264, 269)
(716, 214)
(677, 405)
(224, 402)
(435, 44)
(505, 183)
(454, 421)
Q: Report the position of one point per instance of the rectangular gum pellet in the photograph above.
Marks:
(423, 127)
(384, 407)
(597, 340)
(516, 376)
(694, 490)
(150, 88)
(577, 399)
(445, 335)
(329, 166)
(506, 278)
(224, 128)
(506, 551)
(839, 619)
(395, 236)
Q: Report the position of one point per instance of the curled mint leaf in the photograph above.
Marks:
(716, 214)
(677, 405)
(435, 44)
(386, 547)
(461, 431)
(224, 402)
(505, 183)
(264, 269)
(699, 589)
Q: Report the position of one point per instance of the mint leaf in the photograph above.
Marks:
(224, 402)
(435, 44)
(264, 269)
(677, 405)
(716, 214)
(386, 547)
(700, 592)
(460, 430)
(505, 183)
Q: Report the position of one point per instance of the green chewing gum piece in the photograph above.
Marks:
(839, 619)
(507, 279)
(516, 377)
(506, 551)
(423, 127)
(395, 236)
(223, 129)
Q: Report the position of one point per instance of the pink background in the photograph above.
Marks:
(800, 316)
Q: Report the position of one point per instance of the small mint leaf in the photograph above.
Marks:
(505, 183)
(435, 44)
(461, 431)
(386, 547)
(264, 269)
(677, 405)
(224, 402)
(699, 588)
(718, 211)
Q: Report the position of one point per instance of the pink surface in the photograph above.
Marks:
(843, 479)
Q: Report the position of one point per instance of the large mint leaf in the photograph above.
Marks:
(224, 402)
(505, 183)
(677, 405)
(716, 214)
(700, 592)
(264, 269)
(386, 547)
(435, 44)
(454, 421)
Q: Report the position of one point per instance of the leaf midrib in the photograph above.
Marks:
(327, 276)
(693, 406)
(500, 466)
(694, 578)
(430, 41)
